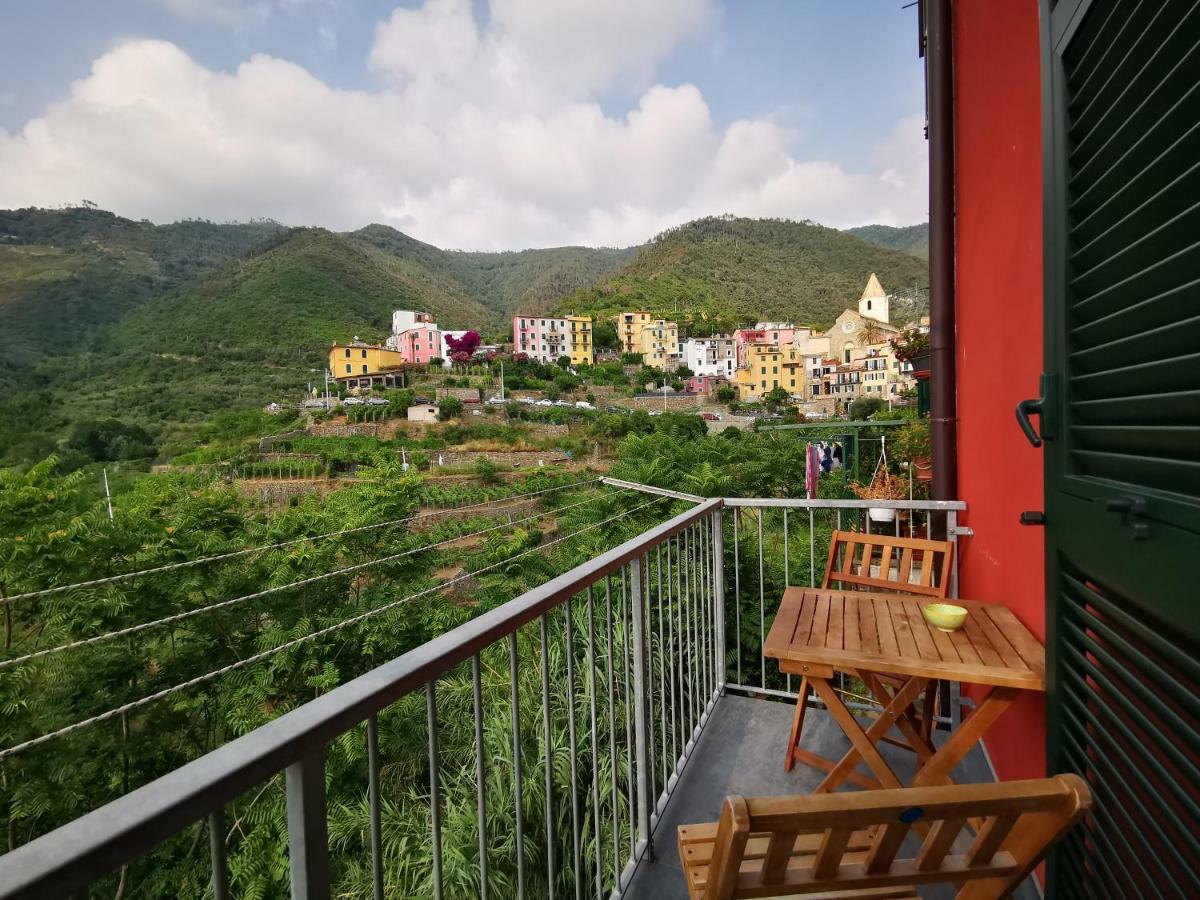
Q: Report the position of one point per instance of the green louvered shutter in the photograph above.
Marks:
(1123, 439)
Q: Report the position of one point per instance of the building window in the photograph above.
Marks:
(349, 368)
(364, 370)
(347, 353)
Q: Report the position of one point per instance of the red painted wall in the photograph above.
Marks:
(998, 158)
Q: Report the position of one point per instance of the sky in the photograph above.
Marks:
(473, 124)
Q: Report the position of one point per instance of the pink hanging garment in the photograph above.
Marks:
(812, 471)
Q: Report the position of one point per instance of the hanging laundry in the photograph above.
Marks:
(812, 469)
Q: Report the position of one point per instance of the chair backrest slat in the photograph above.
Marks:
(1020, 821)
(921, 566)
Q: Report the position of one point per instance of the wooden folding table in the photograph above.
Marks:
(819, 631)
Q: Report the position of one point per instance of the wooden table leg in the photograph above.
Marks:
(797, 725)
(908, 725)
(972, 729)
(863, 742)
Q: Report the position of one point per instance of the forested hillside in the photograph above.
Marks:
(912, 239)
(516, 281)
(66, 274)
(721, 271)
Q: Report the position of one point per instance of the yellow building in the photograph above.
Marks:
(629, 330)
(580, 330)
(768, 367)
(660, 344)
(357, 359)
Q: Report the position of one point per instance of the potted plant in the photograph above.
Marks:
(912, 346)
(913, 443)
(884, 486)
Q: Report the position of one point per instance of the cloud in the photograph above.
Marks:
(482, 136)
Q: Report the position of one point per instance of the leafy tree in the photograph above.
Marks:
(450, 408)
(684, 372)
(726, 393)
(631, 359)
(111, 439)
(775, 398)
(564, 362)
(604, 336)
(865, 407)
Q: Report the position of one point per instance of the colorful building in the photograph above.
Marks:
(580, 330)
(629, 330)
(543, 338)
(660, 344)
(768, 367)
(366, 363)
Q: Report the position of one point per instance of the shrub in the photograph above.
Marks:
(487, 471)
(449, 408)
(726, 394)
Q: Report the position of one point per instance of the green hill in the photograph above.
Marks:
(292, 299)
(67, 274)
(508, 282)
(912, 239)
(721, 271)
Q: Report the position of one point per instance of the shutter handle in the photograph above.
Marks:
(1025, 409)
(1042, 407)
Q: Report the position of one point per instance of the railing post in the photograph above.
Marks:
(641, 746)
(308, 831)
(718, 580)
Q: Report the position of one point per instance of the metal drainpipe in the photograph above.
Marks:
(940, 61)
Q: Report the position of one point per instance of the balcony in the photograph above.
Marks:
(557, 740)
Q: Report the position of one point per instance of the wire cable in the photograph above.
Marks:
(258, 657)
(109, 579)
(191, 613)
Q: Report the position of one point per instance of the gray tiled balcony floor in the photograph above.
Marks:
(741, 752)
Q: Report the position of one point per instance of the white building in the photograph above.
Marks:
(711, 356)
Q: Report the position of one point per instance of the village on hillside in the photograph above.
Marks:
(819, 373)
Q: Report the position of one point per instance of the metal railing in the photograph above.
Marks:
(603, 679)
(558, 724)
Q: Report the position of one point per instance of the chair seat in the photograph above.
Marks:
(696, 849)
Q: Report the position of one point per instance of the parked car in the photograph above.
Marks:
(583, 404)
(495, 401)
(421, 401)
(353, 401)
(711, 416)
(528, 400)
(375, 401)
(656, 412)
(545, 403)
(562, 403)
(615, 409)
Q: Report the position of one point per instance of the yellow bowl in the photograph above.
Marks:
(945, 616)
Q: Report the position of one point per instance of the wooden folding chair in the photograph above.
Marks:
(850, 845)
(879, 562)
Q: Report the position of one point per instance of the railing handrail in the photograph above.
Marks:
(95, 844)
(800, 503)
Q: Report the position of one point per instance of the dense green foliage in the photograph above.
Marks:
(912, 239)
(509, 282)
(716, 273)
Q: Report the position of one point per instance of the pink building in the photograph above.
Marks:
(418, 345)
(544, 338)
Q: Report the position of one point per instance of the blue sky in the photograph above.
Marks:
(442, 117)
